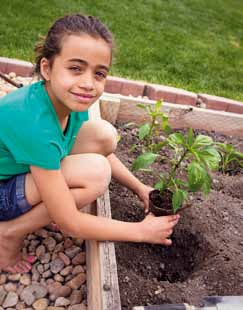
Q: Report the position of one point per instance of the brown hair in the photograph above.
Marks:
(51, 45)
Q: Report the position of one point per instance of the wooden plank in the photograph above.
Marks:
(108, 270)
(93, 268)
(102, 280)
(183, 116)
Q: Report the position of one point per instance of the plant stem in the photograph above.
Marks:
(150, 131)
(176, 166)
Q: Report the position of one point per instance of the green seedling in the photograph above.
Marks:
(229, 156)
(191, 156)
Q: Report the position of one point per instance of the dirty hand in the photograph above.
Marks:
(143, 194)
(158, 229)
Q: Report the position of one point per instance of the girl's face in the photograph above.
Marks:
(77, 76)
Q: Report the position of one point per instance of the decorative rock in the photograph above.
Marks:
(50, 243)
(33, 292)
(42, 233)
(40, 304)
(41, 250)
(47, 274)
(20, 289)
(20, 306)
(58, 278)
(62, 302)
(45, 258)
(72, 251)
(78, 307)
(66, 271)
(77, 281)
(68, 243)
(10, 287)
(79, 242)
(11, 300)
(57, 290)
(56, 308)
(2, 295)
(59, 247)
(14, 277)
(77, 269)
(76, 297)
(56, 265)
(46, 266)
(25, 279)
(40, 268)
(80, 258)
(58, 237)
(64, 258)
(3, 279)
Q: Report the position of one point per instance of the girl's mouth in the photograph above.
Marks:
(84, 98)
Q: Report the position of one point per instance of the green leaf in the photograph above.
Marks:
(176, 139)
(159, 185)
(202, 140)
(143, 131)
(178, 198)
(180, 183)
(190, 137)
(210, 157)
(196, 176)
(158, 106)
(143, 161)
(206, 184)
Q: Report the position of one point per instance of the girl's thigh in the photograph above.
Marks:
(79, 171)
(95, 136)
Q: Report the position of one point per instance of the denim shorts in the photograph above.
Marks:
(12, 198)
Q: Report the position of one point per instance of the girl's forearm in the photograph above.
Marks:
(91, 227)
(122, 174)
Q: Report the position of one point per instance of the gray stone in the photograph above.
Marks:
(62, 302)
(11, 300)
(10, 287)
(3, 294)
(56, 265)
(25, 279)
(41, 250)
(72, 251)
(50, 243)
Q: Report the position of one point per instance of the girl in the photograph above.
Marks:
(53, 160)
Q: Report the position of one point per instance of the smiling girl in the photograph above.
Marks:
(53, 160)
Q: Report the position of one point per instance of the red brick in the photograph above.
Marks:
(124, 87)
(171, 94)
(221, 103)
(20, 67)
(156, 92)
(113, 85)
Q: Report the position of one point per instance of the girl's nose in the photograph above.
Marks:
(86, 81)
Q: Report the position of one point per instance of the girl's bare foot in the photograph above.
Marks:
(11, 259)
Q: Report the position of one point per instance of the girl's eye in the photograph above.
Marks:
(75, 69)
(101, 75)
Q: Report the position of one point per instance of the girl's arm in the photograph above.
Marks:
(61, 208)
(126, 178)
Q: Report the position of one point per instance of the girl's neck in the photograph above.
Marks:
(61, 110)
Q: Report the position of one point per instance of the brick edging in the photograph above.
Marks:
(116, 85)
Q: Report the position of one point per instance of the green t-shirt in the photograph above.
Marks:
(30, 132)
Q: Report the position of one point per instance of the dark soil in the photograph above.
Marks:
(206, 257)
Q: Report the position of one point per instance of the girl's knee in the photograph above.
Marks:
(105, 137)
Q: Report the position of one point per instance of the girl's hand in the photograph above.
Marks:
(143, 194)
(158, 229)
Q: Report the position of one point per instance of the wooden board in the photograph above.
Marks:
(102, 280)
(181, 116)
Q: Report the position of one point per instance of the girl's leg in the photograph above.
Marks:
(87, 176)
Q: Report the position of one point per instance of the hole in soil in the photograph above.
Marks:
(174, 264)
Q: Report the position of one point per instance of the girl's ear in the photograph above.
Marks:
(45, 69)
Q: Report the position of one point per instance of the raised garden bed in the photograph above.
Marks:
(206, 256)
